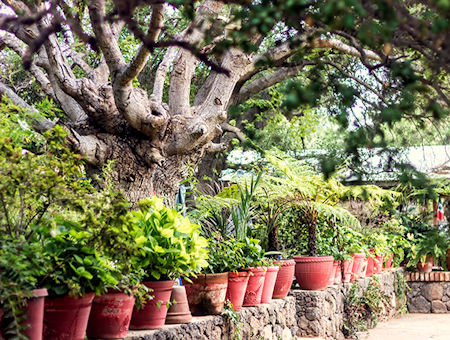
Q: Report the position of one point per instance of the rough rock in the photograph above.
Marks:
(438, 307)
(433, 291)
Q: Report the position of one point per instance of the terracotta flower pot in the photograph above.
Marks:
(358, 261)
(179, 311)
(110, 316)
(269, 283)
(378, 263)
(206, 294)
(347, 270)
(237, 285)
(67, 317)
(34, 316)
(284, 280)
(313, 273)
(388, 262)
(364, 267)
(427, 266)
(337, 272)
(448, 259)
(255, 286)
(153, 315)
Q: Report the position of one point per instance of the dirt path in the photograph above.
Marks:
(413, 327)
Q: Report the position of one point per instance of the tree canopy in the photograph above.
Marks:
(153, 85)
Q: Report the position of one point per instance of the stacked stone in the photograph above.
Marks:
(429, 297)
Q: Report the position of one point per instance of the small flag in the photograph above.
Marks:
(440, 211)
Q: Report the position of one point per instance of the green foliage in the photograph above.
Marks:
(224, 255)
(169, 244)
(401, 291)
(434, 244)
(363, 307)
(76, 267)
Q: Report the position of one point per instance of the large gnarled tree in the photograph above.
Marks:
(152, 142)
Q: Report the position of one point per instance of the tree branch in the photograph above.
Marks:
(230, 128)
(267, 81)
(135, 66)
(185, 61)
(105, 37)
(39, 122)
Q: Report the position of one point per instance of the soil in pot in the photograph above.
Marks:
(284, 280)
(110, 316)
(153, 314)
(255, 286)
(313, 272)
(347, 267)
(337, 272)
(206, 294)
(179, 311)
(66, 318)
(269, 283)
(237, 285)
(358, 262)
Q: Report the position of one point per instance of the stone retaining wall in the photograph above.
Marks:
(302, 314)
(429, 297)
(274, 320)
(321, 313)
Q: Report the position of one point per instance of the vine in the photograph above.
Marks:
(363, 307)
(401, 291)
(233, 318)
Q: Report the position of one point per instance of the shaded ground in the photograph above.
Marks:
(413, 327)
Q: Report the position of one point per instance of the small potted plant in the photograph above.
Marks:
(170, 246)
(430, 250)
(254, 258)
(207, 292)
(21, 264)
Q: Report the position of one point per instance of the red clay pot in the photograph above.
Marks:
(357, 266)
(337, 272)
(313, 273)
(237, 285)
(206, 294)
(347, 268)
(66, 317)
(269, 283)
(378, 263)
(333, 274)
(153, 315)
(427, 266)
(255, 286)
(110, 316)
(34, 317)
(284, 280)
(178, 312)
(388, 262)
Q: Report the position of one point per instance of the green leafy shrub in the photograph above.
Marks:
(225, 254)
(169, 244)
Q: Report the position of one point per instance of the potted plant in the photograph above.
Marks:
(285, 275)
(169, 246)
(430, 250)
(207, 292)
(78, 272)
(254, 258)
(22, 304)
(36, 180)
